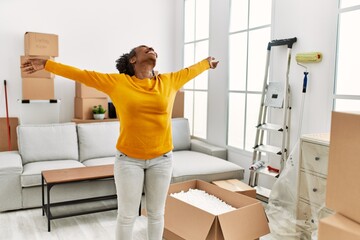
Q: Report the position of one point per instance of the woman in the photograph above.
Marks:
(143, 102)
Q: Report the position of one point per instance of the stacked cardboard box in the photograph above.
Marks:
(39, 85)
(342, 189)
(86, 98)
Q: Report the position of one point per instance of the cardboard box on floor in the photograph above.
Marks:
(41, 44)
(338, 227)
(83, 91)
(235, 185)
(39, 74)
(184, 221)
(83, 107)
(343, 182)
(38, 88)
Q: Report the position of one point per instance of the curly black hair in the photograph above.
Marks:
(123, 64)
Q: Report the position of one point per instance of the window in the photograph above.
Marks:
(249, 34)
(347, 77)
(196, 48)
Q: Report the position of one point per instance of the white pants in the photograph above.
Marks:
(132, 176)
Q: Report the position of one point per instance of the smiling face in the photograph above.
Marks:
(144, 54)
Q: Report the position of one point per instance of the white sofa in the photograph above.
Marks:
(67, 145)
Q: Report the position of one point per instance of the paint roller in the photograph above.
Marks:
(310, 57)
(302, 58)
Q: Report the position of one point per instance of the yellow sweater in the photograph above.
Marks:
(143, 106)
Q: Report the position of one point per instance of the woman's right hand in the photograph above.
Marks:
(33, 65)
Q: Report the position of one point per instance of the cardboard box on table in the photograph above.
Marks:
(185, 221)
(41, 44)
(237, 186)
(83, 107)
(343, 181)
(38, 88)
(38, 74)
(338, 227)
(83, 91)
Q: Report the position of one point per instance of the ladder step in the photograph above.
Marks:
(268, 149)
(265, 171)
(271, 126)
(262, 193)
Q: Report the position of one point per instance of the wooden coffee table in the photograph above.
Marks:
(71, 175)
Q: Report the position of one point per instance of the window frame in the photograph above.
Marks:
(193, 89)
(336, 80)
(248, 30)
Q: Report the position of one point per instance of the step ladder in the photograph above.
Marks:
(275, 97)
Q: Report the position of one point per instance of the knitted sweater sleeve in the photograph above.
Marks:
(184, 75)
(101, 81)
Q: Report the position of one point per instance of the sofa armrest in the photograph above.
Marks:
(10, 172)
(10, 163)
(203, 147)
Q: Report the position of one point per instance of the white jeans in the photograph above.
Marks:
(132, 176)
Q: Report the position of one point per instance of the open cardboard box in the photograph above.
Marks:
(184, 221)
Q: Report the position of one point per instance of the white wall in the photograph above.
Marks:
(92, 35)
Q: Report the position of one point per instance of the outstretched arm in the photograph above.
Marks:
(100, 81)
(184, 75)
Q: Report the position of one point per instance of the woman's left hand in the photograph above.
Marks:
(213, 64)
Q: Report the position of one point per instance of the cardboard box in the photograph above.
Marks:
(343, 182)
(184, 221)
(178, 108)
(38, 88)
(338, 227)
(83, 91)
(39, 74)
(4, 130)
(83, 107)
(235, 185)
(41, 44)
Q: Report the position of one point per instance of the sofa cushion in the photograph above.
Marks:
(31, 175)
(97, 140)
(181, 134)
(44, 142)
(99, 161)
(190, 165)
